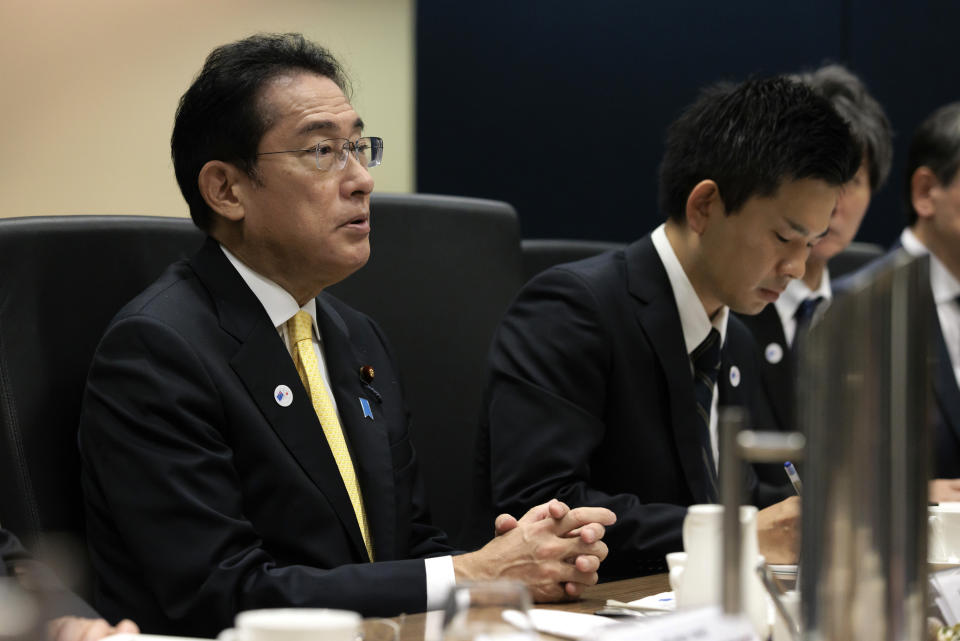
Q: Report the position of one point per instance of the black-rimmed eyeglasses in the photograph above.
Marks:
(332, 152)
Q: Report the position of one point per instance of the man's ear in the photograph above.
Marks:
(923, 185)
(220, 185)
(702, 203)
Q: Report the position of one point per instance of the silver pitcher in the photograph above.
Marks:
(863, 399)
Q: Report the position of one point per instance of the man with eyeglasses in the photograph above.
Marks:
(238, 451)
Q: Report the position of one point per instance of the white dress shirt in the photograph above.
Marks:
(281, 307)
(694, 322)
(795, 293)
(945, 288)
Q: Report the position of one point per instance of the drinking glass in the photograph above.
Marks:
(484, 611)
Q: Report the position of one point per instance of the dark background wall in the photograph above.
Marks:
(559, 106)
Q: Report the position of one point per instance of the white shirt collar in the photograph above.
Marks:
(944, 286)
(911, 243)
(278, 303)
(796, 292)
(694, 321)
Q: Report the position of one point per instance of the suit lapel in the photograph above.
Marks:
(659, 319)
(368, 438)
(262, 362)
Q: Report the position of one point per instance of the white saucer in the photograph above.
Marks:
(936, 566)
(785, 570)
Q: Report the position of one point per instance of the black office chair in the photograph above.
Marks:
(855, 256)
(441, 274)
(62, 278)
(539, 253)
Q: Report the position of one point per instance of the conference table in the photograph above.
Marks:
(413, 626)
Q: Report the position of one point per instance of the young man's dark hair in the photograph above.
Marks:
(868, 123)
(752, 137)
(936, 144)
(220, 116)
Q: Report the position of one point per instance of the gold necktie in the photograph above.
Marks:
(300, 329)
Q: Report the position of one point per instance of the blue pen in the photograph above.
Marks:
(794, 477)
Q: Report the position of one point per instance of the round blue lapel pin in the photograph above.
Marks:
(773, 353)
(283, 396)
(734, 376)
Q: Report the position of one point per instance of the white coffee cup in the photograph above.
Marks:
(294, 624)
(698, 581)
(675, 563)
(944, 533)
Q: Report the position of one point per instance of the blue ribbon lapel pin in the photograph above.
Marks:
(365, 406)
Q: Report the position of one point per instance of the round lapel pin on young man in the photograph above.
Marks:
(773, 353)
(734, 376)
(283, 396)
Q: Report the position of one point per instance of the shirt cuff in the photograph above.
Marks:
(440, 578)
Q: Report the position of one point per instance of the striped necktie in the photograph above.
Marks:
(706, 369)
(300, 331)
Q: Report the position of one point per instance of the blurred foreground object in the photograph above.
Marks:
(863, 405)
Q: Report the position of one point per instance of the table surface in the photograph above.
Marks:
(594, 598)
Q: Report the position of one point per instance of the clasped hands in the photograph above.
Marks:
(554, 550)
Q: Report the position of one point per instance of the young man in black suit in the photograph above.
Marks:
(244, 435)
(606, 374)
(775, 327)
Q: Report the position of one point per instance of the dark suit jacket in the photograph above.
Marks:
(946, 438)
(777, 385)
(946, 410)
(206, 497)
(776, 378)
(590, 399)
(39, 580)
